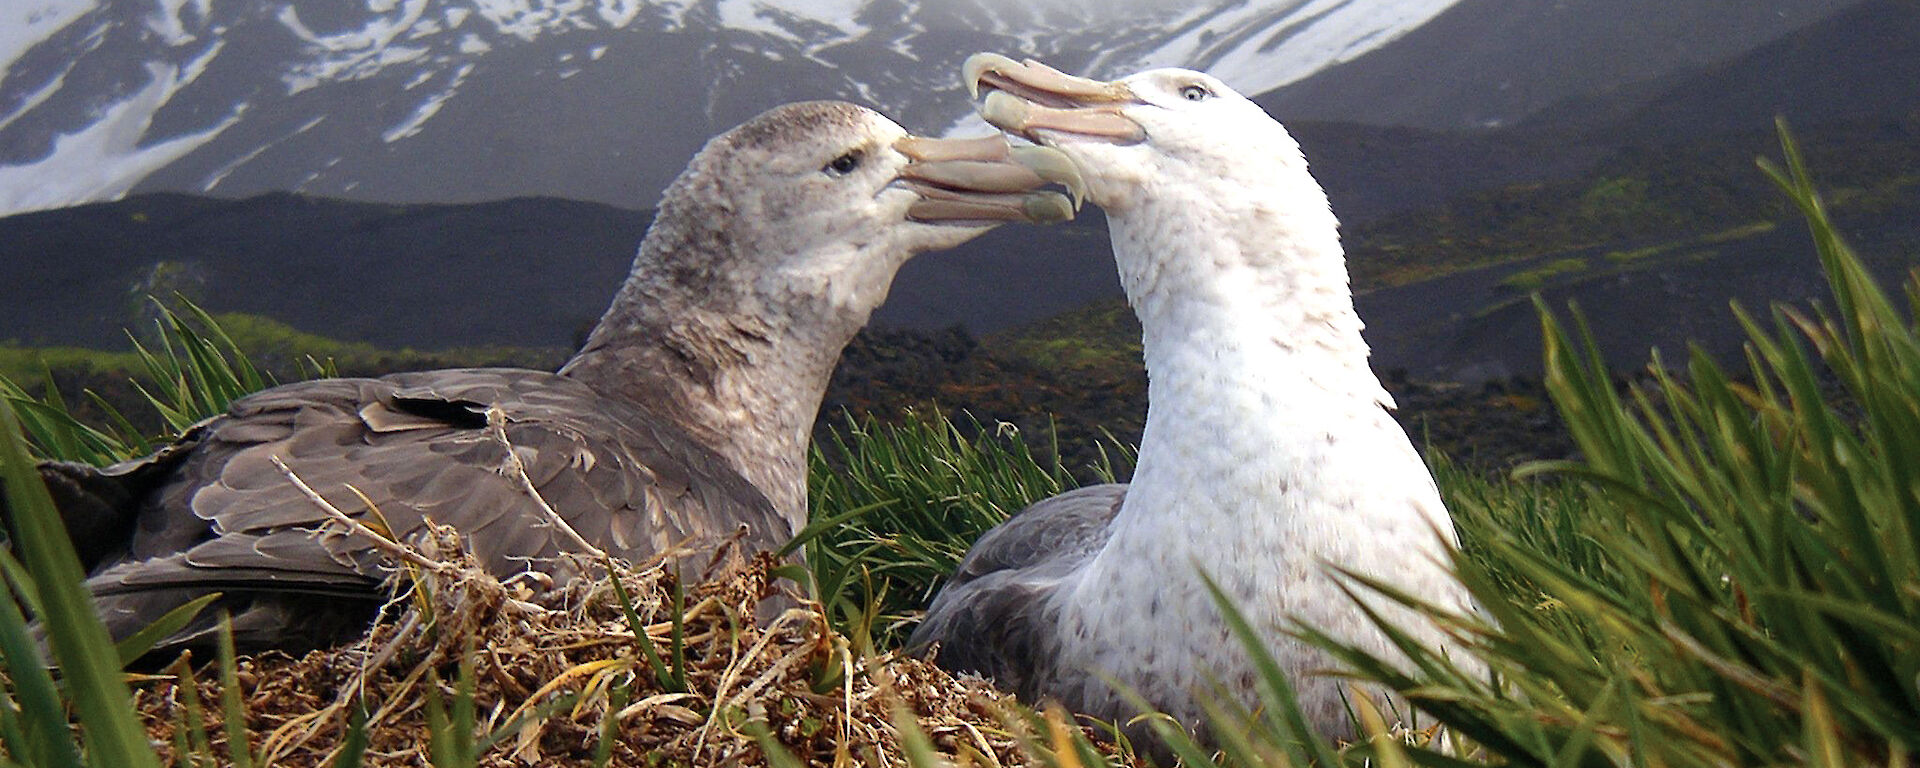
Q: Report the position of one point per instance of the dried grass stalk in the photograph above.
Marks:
(547, 666)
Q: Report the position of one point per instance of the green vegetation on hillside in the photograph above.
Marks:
(271, 344)
(1667, 195)
(102, 384)
(1618, 197)
(1532, 279)
(1103, 336)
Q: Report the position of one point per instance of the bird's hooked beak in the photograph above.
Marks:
(987, 180)
(1027, 96)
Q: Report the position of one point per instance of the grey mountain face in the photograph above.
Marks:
(1487, 63)
(601, 100)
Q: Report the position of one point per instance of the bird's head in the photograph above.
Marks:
(814, 206)
(1161, 125)
(1208, 199)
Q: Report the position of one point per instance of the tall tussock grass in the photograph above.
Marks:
(1729, 574)
(190, 370)
(1738, 581)
(895, 507)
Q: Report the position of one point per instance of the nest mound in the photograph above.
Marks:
(563, 678)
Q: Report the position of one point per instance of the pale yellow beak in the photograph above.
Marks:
(1024, 97)
(986, 179)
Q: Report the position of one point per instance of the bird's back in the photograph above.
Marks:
(215, 513)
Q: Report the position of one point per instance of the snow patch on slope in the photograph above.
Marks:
(427, 109)
(1331, 32)
(1257, 47)
(619, 13)
(26, 23)
(169, 25)
(104, 160)
(35, 99)
(354, 54)
(220, 175)
(411, 57)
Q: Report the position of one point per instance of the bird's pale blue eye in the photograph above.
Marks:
(1195, 93)
(844, 164)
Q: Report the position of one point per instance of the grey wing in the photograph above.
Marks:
(624, 477)
(993, 617)
(97, 504)
(416, 447)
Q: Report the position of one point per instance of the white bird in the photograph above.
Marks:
(1269, 455)
(683, 420)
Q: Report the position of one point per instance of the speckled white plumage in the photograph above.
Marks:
(1268, 453)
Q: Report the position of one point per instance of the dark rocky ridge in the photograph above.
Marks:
(890, 374)
(1080, 407)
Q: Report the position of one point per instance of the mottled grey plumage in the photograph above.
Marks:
(682, 421)
(218, 516)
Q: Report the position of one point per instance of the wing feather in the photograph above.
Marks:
(994, 617)
(417, 446)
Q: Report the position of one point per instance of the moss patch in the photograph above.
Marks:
(1536, 278)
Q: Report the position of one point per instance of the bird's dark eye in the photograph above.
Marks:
(1195, 93)
(843, 164)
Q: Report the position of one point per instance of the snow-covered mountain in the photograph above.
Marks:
(603, 100)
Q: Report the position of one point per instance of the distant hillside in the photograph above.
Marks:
(1860, 65)
(1653, 245)
(535, 273)
(1375, 172)
(532, 272)
(526, 272)
(1851, 62)
(1496, 62)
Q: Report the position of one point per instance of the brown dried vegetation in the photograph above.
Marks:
(554, 674)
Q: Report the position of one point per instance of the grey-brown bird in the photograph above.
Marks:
(682, 421)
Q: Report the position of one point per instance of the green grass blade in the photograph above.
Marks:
(464, 715)
(678, 638)
(610, 724)
(190, 740)
(353, 743)
(20, 581)
(233, 711)
(79, 641)
(658, 666)
(914, 742)
(442, 743)
(777, 755)
(40, 734)
(1277, 693)
(140, 643)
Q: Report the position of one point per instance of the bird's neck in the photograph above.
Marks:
(739, 377)
(1245, 286)
(1258, 375)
